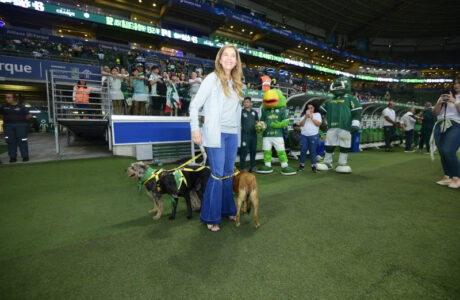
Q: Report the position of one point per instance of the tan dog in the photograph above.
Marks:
(136, 171)
(245, 185)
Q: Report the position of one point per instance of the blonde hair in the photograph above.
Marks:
(236, 74)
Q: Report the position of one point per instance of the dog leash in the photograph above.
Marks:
(225, 177)
(186, 163)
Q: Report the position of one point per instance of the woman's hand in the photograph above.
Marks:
(196, 137)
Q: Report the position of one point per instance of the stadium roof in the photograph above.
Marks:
(375, 18)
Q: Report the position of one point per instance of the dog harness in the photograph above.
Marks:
(149, 175)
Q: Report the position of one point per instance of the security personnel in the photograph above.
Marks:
(249, 118)
(15, 116)
(266, 81)
(80, 96)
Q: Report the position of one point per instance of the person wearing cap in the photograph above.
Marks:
(15, 116)
(139, 95)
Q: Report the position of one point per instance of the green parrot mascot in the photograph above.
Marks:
(274, 115)
(343, 112)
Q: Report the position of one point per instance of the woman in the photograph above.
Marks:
(220, 95)
(309, 137)
(195, 83)
(446, 134)
(139, 95)
(172, 96)
(183, 89)
(116, 95)
(127, 90)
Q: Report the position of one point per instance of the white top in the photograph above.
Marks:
(309, 128)
(451, 110)
(231, 107)
(195, 85)
(408, 121)
(388, 112)
(211, 97)
(154, 77)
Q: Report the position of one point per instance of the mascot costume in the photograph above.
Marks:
(343, 112)
(274, 119)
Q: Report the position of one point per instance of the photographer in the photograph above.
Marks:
(446, 134)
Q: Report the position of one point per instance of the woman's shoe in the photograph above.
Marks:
(213, 227)
(445, 181)
(455, 184)
(232, 218)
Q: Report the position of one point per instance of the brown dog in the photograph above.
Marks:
(245, 185)
(153, 188)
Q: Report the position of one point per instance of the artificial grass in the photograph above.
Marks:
(3, 148)
(79, 229)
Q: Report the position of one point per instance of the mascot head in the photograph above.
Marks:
(340, 86)
(274, 99)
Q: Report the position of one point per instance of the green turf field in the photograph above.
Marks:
(80, 230)
(3, 149)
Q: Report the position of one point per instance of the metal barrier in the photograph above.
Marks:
(80, 118)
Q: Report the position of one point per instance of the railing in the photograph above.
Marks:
(63, 108)
(62, 96)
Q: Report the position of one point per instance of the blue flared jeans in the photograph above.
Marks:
(218, 198)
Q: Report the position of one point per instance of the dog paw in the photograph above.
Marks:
(152, 211)
(156, 217)
(237, 224)
(189, 217)
(172, 217)
(257, 225)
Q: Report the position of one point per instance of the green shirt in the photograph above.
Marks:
(341, 111)
(183, 90)
(248, 121)
(271, 115)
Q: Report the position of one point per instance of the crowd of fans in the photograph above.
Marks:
(65, 50)
(172, 87)
(161, 89)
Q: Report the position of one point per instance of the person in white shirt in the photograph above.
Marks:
(155, 102)
(389, 124)
(195, 83)
(309, 137)
(116, 94)
(446, 134)
(408, 121)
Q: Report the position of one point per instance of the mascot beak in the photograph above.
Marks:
(271, 98)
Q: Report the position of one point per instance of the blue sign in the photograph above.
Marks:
(148, 132)
(26, 68)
